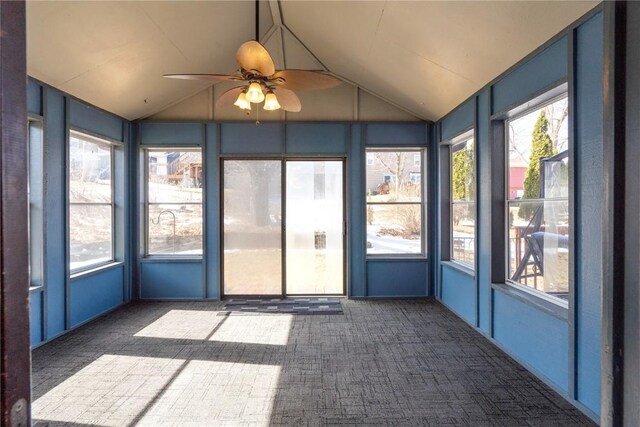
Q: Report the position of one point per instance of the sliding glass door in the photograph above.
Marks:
(314, 227)
(268, 253)
(252, 224)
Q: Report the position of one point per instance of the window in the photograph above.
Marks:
(394, 203)
(463, 202)
(538, 199)
(174, 202)
(416, 160)
(36, 204)
(370, 159)
(91, 206)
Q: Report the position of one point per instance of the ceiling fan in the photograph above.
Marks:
(259, 81)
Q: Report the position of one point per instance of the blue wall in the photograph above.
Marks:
(64, 302)
(560, 346)
(458, 292)
(165, 279)
(171, 280)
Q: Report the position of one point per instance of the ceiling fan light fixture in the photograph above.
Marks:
(254, 93)
(271, 102)
(242, 102)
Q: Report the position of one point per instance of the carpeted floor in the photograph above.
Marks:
(404, 363)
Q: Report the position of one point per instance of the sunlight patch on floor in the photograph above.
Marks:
(110, 391)
(184, 324)
(221, 391)
(272, 329)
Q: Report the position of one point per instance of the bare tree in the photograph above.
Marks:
(557, 114)
(395, 164)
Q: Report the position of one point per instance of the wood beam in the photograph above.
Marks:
(15, 364)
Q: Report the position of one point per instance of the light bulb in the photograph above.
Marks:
(254, 93)
(242, 102)
(271, 102)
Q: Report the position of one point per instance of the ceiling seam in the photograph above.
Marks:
(430, 61)
(276, 15)
(304, 46)
(375, 33)
(164, 34)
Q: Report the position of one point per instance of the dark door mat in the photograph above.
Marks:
(302, 305)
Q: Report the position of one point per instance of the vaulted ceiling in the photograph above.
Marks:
(425, 57)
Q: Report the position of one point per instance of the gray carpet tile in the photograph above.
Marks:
(396, 363)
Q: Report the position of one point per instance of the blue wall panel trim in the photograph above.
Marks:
(55, 191)
(166, 280)
(459, 293)
(35, 317)
(34, 98)
(483, 230)
(539, 72)
(589, 197)
(95, 121)
(458, 120)
(316, 138)
(537, 338)
(433, 212)
(170, 134)
(390, 134)
(247, 138)
(356, 212)
(397, 278)
(212, 178)
(95, 294)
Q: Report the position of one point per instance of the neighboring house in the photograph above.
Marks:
(517, 170)
(381, 169)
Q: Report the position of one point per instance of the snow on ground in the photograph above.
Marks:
(390, 244)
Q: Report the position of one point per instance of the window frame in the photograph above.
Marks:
(112, 145)
(522, 109)
(146, 202)
(422, 151)
(463, 138)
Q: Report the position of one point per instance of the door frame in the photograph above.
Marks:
(283, 223)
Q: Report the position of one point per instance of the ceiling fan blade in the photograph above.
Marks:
(252, 55)
(229, 97)
(210, 77)
(287, 99)
(305, 80)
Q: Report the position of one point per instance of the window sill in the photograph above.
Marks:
(96, 270)
(170, 259)
(462, 268)
(533, 300)
(37, 288)
(396, 258)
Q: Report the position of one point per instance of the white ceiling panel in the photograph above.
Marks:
(424, 56)
(467, 43)
(423, 90)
